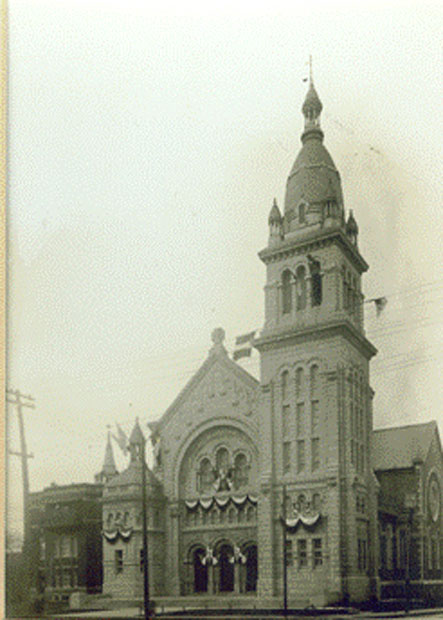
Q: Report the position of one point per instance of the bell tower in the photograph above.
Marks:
(316, 400)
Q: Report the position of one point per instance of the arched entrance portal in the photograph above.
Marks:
(251, 568)
(226, 569)
(200, 571)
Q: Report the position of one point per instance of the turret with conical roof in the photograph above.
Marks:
(136, 443)
(275, 224)
(352, 228)
(109, 470)
(313, 190)
(123, 498)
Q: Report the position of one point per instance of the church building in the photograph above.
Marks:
(244, 468)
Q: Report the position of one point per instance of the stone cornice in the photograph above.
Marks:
(339, 327)
(311, 243)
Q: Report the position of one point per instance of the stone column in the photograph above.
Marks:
(174, 550)
(237, 577)
(211, 579)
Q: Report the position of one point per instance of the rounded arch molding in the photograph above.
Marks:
(241, 426)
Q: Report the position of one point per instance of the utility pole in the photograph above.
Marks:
(285, 563)
(146, 601)
(15, 397)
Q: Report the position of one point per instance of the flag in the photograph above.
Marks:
(239, 353)
(121, 439)
(245, 351)
(245, 338)
(380, 304)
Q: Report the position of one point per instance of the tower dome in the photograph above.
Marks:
(314, 180)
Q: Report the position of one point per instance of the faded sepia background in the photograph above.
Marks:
(146, 147)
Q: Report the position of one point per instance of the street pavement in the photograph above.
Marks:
(133, 612)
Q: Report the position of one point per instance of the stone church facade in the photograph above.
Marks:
(238, 461)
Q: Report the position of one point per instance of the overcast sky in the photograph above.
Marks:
(146, 148)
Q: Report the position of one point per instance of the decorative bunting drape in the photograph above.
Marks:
(112, 535)
(207, 503)
(306, 520)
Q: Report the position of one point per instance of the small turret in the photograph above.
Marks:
(275, 221)
(109, 470)
(352, 228)
(136, 444)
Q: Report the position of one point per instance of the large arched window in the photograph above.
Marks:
(222, 458)
(284, 385)
(200, 570)
(316, 283)
(314, 400)
(286, 281)
(300, 277)
(300, 402)
(314, 381)
(298, 383)
(205, 476)
(315, 417)
(240, 471)
(223, 470)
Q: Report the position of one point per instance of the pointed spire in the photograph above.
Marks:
(109, 468)
(274, 215)
(137, 437)
(137, 444)
(352, 228)
(312, 106)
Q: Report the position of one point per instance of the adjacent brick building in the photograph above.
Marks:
(66, 540)
(409, 467)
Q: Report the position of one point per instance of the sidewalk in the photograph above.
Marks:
(134, 612)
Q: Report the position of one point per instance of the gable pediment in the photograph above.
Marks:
(219, 386)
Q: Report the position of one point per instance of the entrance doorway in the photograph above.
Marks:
(200, 571)
(226, 569)
(251, 568)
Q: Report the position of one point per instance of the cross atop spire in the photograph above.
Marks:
(311, 79)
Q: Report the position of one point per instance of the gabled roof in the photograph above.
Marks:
(132, 475)
(399, 447)
(217, 355)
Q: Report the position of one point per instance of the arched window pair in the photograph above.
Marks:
(301, 291)
(224, 475)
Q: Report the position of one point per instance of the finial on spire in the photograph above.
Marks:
(312, 107)
(274, 215)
